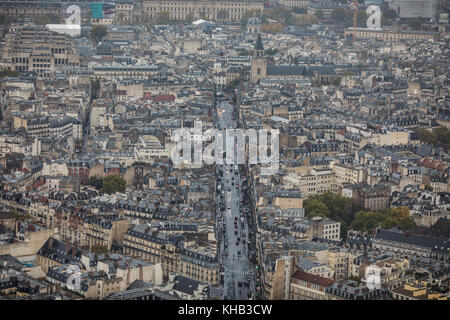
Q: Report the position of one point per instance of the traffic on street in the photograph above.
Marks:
(239, 277)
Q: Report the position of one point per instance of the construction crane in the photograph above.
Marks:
(355, 19)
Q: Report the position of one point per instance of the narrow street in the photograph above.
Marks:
(238, 271)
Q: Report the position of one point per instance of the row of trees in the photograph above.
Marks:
(109, 184)
(5, 20)
(439, 137)
(351, 214)
(8, 73)
(47, 19)
(368, 221)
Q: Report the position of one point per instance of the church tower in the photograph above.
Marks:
(259, 62)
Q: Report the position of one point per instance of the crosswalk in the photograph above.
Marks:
(243, 272)
(238, 258)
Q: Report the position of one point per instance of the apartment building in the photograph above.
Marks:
(371, 198)
(315, 268)
(345, 173)
(410, 244)
(194, 262)
(318, 181)
(393, 35)
(308, 286)
(230, 10)
(35, 48)
(30, 8)
(294, 3)
(417, 290)
(338, 260)
(149, 148)
(125, 12)
(104, 230)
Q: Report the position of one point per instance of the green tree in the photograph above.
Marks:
(366, 221)
(222, 15)
(361, 19)
(164, 18)
(98, 32)
(339, 15)
(99, 249)
(190, 18)
(113, 183)
(89, 17)
(8, 73)
(439, 137)
(319, 14)
(315, 208)
(283, 15)
(95, 182)
(389, 14)
(5, 20)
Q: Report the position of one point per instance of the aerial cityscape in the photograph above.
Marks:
(224, 150)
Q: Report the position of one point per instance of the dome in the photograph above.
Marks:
(254, 21)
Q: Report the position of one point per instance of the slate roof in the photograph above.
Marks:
(433, 244)
(185, 285)
(259, 44)
(311, 278)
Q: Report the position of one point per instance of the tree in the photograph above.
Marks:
(441, 228)
(439, 137)
(272, 28)
(247, 15)
(97, 183)
(271, 51)
(164, 17)
(366, 221)
(339, 15)
(222, 15)
(284, 16)
(98, 32)
(5, 20)
(319, 14)
(190, 18)
(302, 20)
(315, 208)
(389, 14)
(88, 18)
(233, 85)
(8, 73)
(99, 249)
(361, 19)
(47, 19)
(113, 183)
